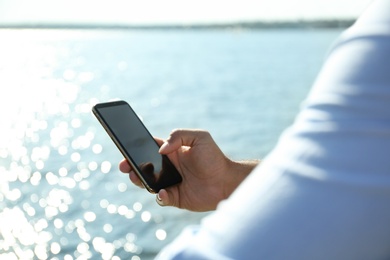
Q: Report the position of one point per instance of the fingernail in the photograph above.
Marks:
(163, 146)
(159, 201)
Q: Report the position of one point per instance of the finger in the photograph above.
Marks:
(182, 137)
(167, 198)
(159, 141)
(162, 198)
(124, 166)
(134, 179)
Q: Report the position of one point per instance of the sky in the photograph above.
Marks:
(157, 12)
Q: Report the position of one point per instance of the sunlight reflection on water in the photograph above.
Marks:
(29, 225)
(61, 195)
(46, 167)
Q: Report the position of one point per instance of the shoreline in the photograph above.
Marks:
(256, 25)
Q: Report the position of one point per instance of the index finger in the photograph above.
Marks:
(124, 166)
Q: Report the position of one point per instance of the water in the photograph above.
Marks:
(61, 195)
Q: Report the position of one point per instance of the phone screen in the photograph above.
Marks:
(138, 146)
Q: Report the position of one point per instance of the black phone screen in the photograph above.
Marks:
(137, 145)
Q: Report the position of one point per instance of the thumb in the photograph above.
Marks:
(181, 137)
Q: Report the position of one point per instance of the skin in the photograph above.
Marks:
(208, 175)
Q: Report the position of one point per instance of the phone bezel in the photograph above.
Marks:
(118, 143)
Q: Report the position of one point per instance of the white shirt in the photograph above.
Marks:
(324, 191)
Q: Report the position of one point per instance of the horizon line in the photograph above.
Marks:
(287, 24)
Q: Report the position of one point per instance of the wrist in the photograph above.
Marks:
(237, 172)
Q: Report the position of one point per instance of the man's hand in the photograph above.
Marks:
(208, 175)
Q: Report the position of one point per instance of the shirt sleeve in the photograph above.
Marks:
(324, 191)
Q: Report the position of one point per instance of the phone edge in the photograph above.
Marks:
(119, 146)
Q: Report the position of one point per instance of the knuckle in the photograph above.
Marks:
(204, 134)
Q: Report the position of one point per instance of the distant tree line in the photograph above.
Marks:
(306, 24)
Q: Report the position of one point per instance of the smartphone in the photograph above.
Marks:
(137, 145)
